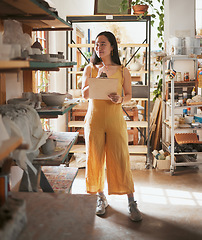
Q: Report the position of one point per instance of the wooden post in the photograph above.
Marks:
(27, 75)
(2, 88)
(28, 81)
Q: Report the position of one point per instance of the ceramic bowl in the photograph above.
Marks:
(19, 101)
(189, 119)
(53, 99)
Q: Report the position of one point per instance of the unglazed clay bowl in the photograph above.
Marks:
(19, 101)
(53, 99)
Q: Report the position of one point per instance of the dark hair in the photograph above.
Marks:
(115, 56)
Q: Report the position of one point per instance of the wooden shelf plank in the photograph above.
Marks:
(8, 146)
(77, 124)
(91, 45)
(53, 112)
(78, 149)
(140, 71)
(30, 65)
(137, 149)
(135, 124)
(33, 14)
(103, 17)
(140, 99)
(81, 72)
(13, 64)
(130, 124)
(41, 65)
(75, 72)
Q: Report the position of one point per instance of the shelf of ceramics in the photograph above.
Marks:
(65, 141)
(32, 65)
(180, 57)
(8, 146)
(33, 14)
(180, 126)
(50, 65)
(91, 45)
(194, 105)
(53, 112)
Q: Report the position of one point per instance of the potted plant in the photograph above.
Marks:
(136, 65)
(87, 55)
(139, 7)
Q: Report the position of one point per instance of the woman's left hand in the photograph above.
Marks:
(115, 98)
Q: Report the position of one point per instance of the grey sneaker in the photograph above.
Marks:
(101, 205)
(135, 214)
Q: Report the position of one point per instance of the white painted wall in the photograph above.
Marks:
(14, 85)
(179, 18)
(58, 43)
(199, 17)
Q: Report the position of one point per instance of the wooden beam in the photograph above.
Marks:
(27, 81)
(1, 25)
(2, 88)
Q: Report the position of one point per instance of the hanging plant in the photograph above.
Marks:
(156, 13)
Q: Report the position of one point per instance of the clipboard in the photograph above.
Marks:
(100, 88)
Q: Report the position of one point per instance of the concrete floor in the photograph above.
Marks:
(171, 207)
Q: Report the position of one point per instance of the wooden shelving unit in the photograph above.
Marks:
(134, 125)
(35, 17)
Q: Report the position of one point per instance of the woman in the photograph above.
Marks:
(105, 129)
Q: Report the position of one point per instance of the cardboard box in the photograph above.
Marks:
(162, 164)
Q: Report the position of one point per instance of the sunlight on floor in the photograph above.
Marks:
(152, 195)
(169, 196)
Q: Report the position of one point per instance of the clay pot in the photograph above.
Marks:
(139, 9)
(136, 66)
(49, 146)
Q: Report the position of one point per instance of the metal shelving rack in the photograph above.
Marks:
(170, 146)
(146, 43)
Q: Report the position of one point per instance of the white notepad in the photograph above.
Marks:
(100, 88)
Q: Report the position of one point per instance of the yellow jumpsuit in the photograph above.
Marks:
(106, 138)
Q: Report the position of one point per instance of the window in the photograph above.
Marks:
(42, 79)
